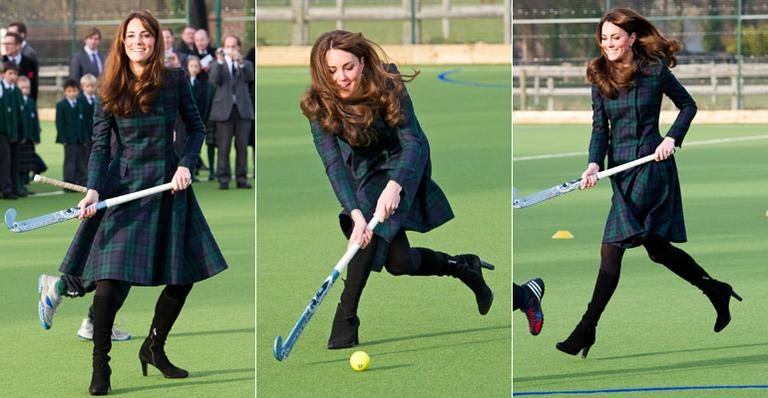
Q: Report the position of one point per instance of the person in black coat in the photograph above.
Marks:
(27, 67)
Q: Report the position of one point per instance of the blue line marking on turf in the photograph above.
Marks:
(638, 390)
(444, 78)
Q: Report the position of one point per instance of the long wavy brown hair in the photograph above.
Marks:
(650, 47)
(122, 92)
(380, 91)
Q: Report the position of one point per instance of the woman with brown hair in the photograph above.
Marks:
(629, 79)
(162, 239)
(377, 160)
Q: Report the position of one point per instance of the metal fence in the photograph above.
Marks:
(727, 36)
(410, 18)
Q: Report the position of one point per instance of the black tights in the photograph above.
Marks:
(659, 251)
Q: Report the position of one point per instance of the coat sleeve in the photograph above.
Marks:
(598, 143)
(60, 125)
(190, 115)
(215, 75)
(74, 68)
(408, 165)
(103, 124)
(672, 88)
(330, 153)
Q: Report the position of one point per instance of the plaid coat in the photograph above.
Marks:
(358, 175)
(646, 199)
(160, 239)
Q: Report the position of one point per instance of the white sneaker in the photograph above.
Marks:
(49, 299)
(86, 332)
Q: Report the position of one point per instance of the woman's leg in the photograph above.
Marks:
(404, 260)
(583, 336)
(684, 266)
(346, 322)
(167, 310)
(107, 300)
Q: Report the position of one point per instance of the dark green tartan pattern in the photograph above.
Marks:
(358, 175)
(161, 239)
(646, 200)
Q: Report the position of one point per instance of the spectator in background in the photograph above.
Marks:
(187, 44)
(10, 124)
(69, 131)
(86, 102)
(251, 57)
(26, 66)
(232, 110)
(29, 134)
(204, 52)
(26, 49)
(89, 59)
(173, 59)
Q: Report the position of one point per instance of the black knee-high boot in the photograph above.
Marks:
(684, 266)
(167, 310)
(465, 267)
(583, 336)
(103, 317)
(345, 321)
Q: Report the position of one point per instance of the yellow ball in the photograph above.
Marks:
(359, 361)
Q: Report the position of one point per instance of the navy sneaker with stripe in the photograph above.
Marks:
(532, 309)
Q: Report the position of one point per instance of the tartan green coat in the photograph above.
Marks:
(646, 199)
(358, 175)
(158, 240)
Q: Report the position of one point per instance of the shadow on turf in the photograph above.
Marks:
(213, 332)
(649, 354)
(167, 385)
(618, 372)
(435, 334)
(432, 347)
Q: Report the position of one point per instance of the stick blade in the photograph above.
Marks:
(277, 348)
(10, 219)
(546, 194)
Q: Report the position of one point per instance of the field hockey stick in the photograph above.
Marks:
(564, 188)
(68, 214)
(280, 349)
(59, 183)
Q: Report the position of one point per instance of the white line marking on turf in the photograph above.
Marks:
(693, 143)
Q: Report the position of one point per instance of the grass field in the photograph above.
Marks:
(213, 338)
(657, 330)
(424, 335)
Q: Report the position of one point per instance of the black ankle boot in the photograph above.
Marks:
(468, 268)
(167, 310)
(344, 330)
(100, 378)
(581, 339)
(719, 294)
(153, 352)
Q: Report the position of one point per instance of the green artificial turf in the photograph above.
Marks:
(657, 329)
(213, 338)
(423, 334)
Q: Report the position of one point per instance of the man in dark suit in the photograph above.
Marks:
(204, 52)
(27, 67)
(26, 49)
(173, 58)
(232, 110)
(89, 59)
(187, 43)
